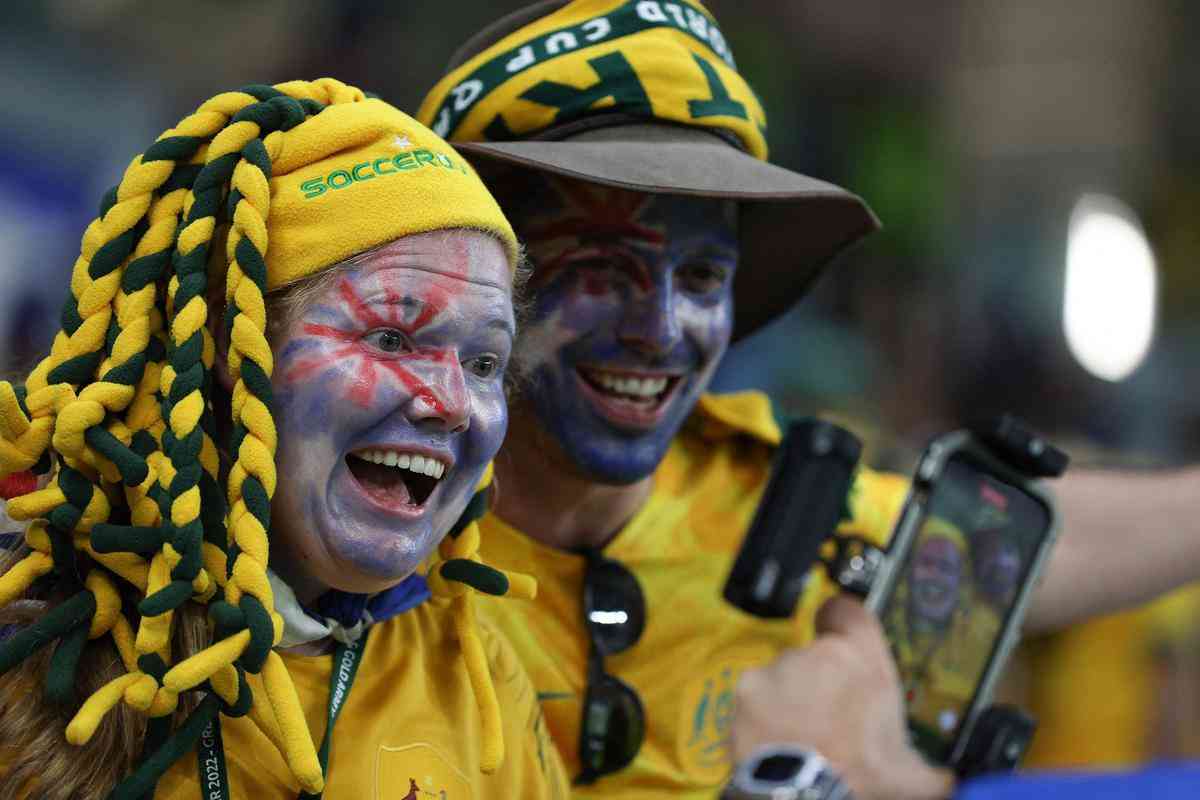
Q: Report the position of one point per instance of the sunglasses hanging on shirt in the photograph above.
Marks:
(614, 722)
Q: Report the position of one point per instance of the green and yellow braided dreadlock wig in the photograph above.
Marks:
(120, 419)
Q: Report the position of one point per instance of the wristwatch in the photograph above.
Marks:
(783, 772)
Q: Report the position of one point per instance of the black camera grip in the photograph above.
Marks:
(800, 510)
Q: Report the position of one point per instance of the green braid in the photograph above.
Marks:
(124, 399)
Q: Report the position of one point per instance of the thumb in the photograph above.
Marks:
(846, 617)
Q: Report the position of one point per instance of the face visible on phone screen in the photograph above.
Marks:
(955, 593)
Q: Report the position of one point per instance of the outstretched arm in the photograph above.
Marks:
(1126, 537)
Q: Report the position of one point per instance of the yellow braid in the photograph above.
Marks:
(466, 546)
(120, 416)
(54, 416)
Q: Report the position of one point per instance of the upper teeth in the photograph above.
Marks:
(640, 387)
(422, 465)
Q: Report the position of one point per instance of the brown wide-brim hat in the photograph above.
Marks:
(790, 225)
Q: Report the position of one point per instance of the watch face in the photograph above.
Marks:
(777, 772)
(779, 768)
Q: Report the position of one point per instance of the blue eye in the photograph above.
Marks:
(386, 340)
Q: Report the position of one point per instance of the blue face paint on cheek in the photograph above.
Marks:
(345, 391)
(633, 313)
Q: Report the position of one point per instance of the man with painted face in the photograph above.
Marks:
(996, 565)
(630, 156)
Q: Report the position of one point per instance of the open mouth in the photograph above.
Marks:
(635, 399)
(396, 479)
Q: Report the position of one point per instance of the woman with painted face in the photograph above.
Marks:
(928, 628)
(935, 589)
(277, 392)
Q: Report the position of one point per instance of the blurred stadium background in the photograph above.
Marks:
(999, 141)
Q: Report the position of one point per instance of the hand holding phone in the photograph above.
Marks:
(965, 556)
(837, 697)
(952, 588)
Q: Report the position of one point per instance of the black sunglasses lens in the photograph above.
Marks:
(614, 723)
(613, 728)
(614, 606)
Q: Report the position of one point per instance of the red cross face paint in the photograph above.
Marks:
(633, 311)
(389, 403)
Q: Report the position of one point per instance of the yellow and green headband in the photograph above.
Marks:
(649, 60)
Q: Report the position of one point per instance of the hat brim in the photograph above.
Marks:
(790, 225)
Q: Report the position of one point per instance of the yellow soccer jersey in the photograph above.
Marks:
(409, 729)
(681, 545)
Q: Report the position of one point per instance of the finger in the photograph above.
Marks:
(846, 617)
(842, 615)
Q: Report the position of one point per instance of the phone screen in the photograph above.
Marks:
(955, 593)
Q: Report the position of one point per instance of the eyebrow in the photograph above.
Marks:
(389, 297)
(502, 324)
(713, 250)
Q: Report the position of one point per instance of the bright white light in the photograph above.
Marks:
(1111, 288)
(609, 617)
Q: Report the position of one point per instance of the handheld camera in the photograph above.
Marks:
(952, 587)
(810, 481)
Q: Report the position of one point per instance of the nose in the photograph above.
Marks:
(650, 323)
(439, 396)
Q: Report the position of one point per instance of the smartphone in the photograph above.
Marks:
(973, 536)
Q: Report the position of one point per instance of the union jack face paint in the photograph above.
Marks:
(633, 311)
(390, 403)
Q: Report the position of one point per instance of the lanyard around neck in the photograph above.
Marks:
(210, 756)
